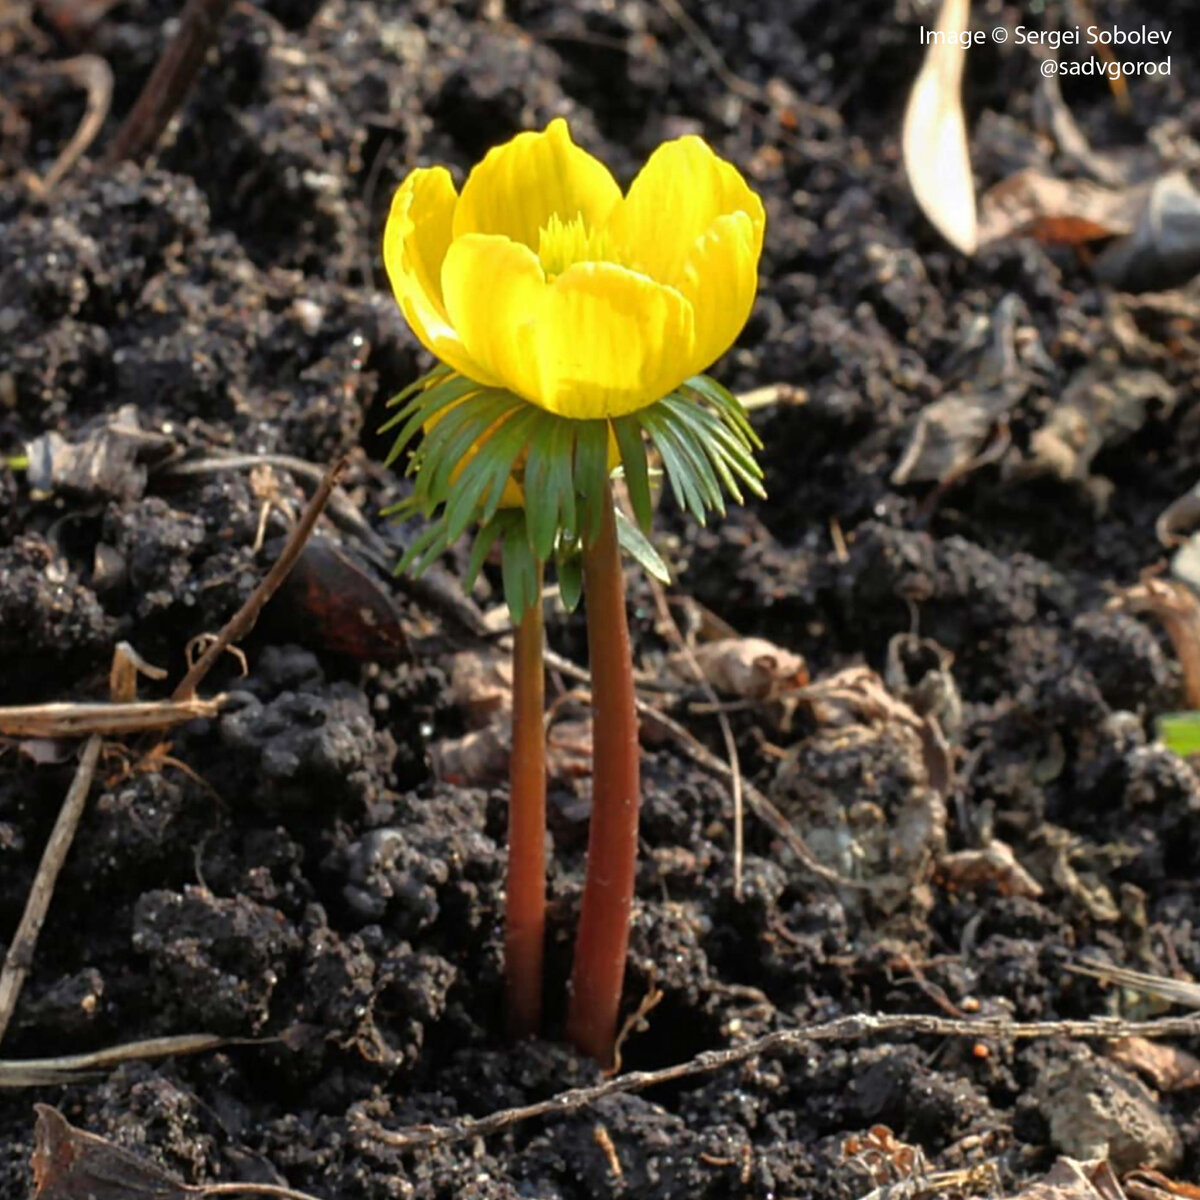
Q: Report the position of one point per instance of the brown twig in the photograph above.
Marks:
(249, 1189)
(95, 76)
(169, 81)
(855, 1028)
(68, 719)
(243, 620)
(20, 951)
(39, 1072)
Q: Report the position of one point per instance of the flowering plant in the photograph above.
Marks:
(571, 322)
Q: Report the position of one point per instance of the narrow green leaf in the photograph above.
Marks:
(693, 444)
(436, 400)
(640, 548)
(486, 473)
(421, 543)
(485, 539)
(401, 510)
(543, 483)
(631, 443)
(570, 580)
(433, 551)
(714, 425)
(685, 481)
(505, 448)
(562, 439)
(591, 474)
(518, 571)
(727, 453)
(725, 402)
(436, 375)
(448, 454)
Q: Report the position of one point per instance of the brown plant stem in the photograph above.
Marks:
(525, 912)
(19, 958)
(169, 82)
(603, 938)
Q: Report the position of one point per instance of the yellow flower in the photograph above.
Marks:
(541, 278)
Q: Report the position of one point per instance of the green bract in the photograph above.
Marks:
(479, 441)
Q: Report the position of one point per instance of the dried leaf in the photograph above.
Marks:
(1154, 1185)
(882, 1156)
(479, 758)
(1102, 407)
(751, 668)
(481, 683)
(569, 749)
(109, 462)
(1166, 1067)
(937, 158)
(994, 864)
(333, 602)
(1070, 1179)
(950, 433)
(1057, 211)
(1163, 251)
(1179, 519)
(69, 1164)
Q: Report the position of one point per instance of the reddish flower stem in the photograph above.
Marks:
(525, 914)
(603, 938)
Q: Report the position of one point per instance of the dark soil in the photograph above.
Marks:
(295, 873)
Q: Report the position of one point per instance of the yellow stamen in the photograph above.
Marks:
(562, 244)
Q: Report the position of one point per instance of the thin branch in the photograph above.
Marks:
(39, 1072)
(68, 719)
(855, 1028)
(244, 619)
(19, 958)
(249, 1189)
(95, 76)
(169, 82)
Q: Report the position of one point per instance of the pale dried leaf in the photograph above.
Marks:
(994, 864)
(481, 683)
(751, 668)
(1070, 1179)
(937, 158)
(1166, 1067)
(1057, 210)
(479, 758)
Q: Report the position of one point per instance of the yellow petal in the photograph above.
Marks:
(520, 185)
(415, 241)
(719, 279)
(683, 188)
(494, 289)
(608, 341)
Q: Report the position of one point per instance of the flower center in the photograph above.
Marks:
(562, 244)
